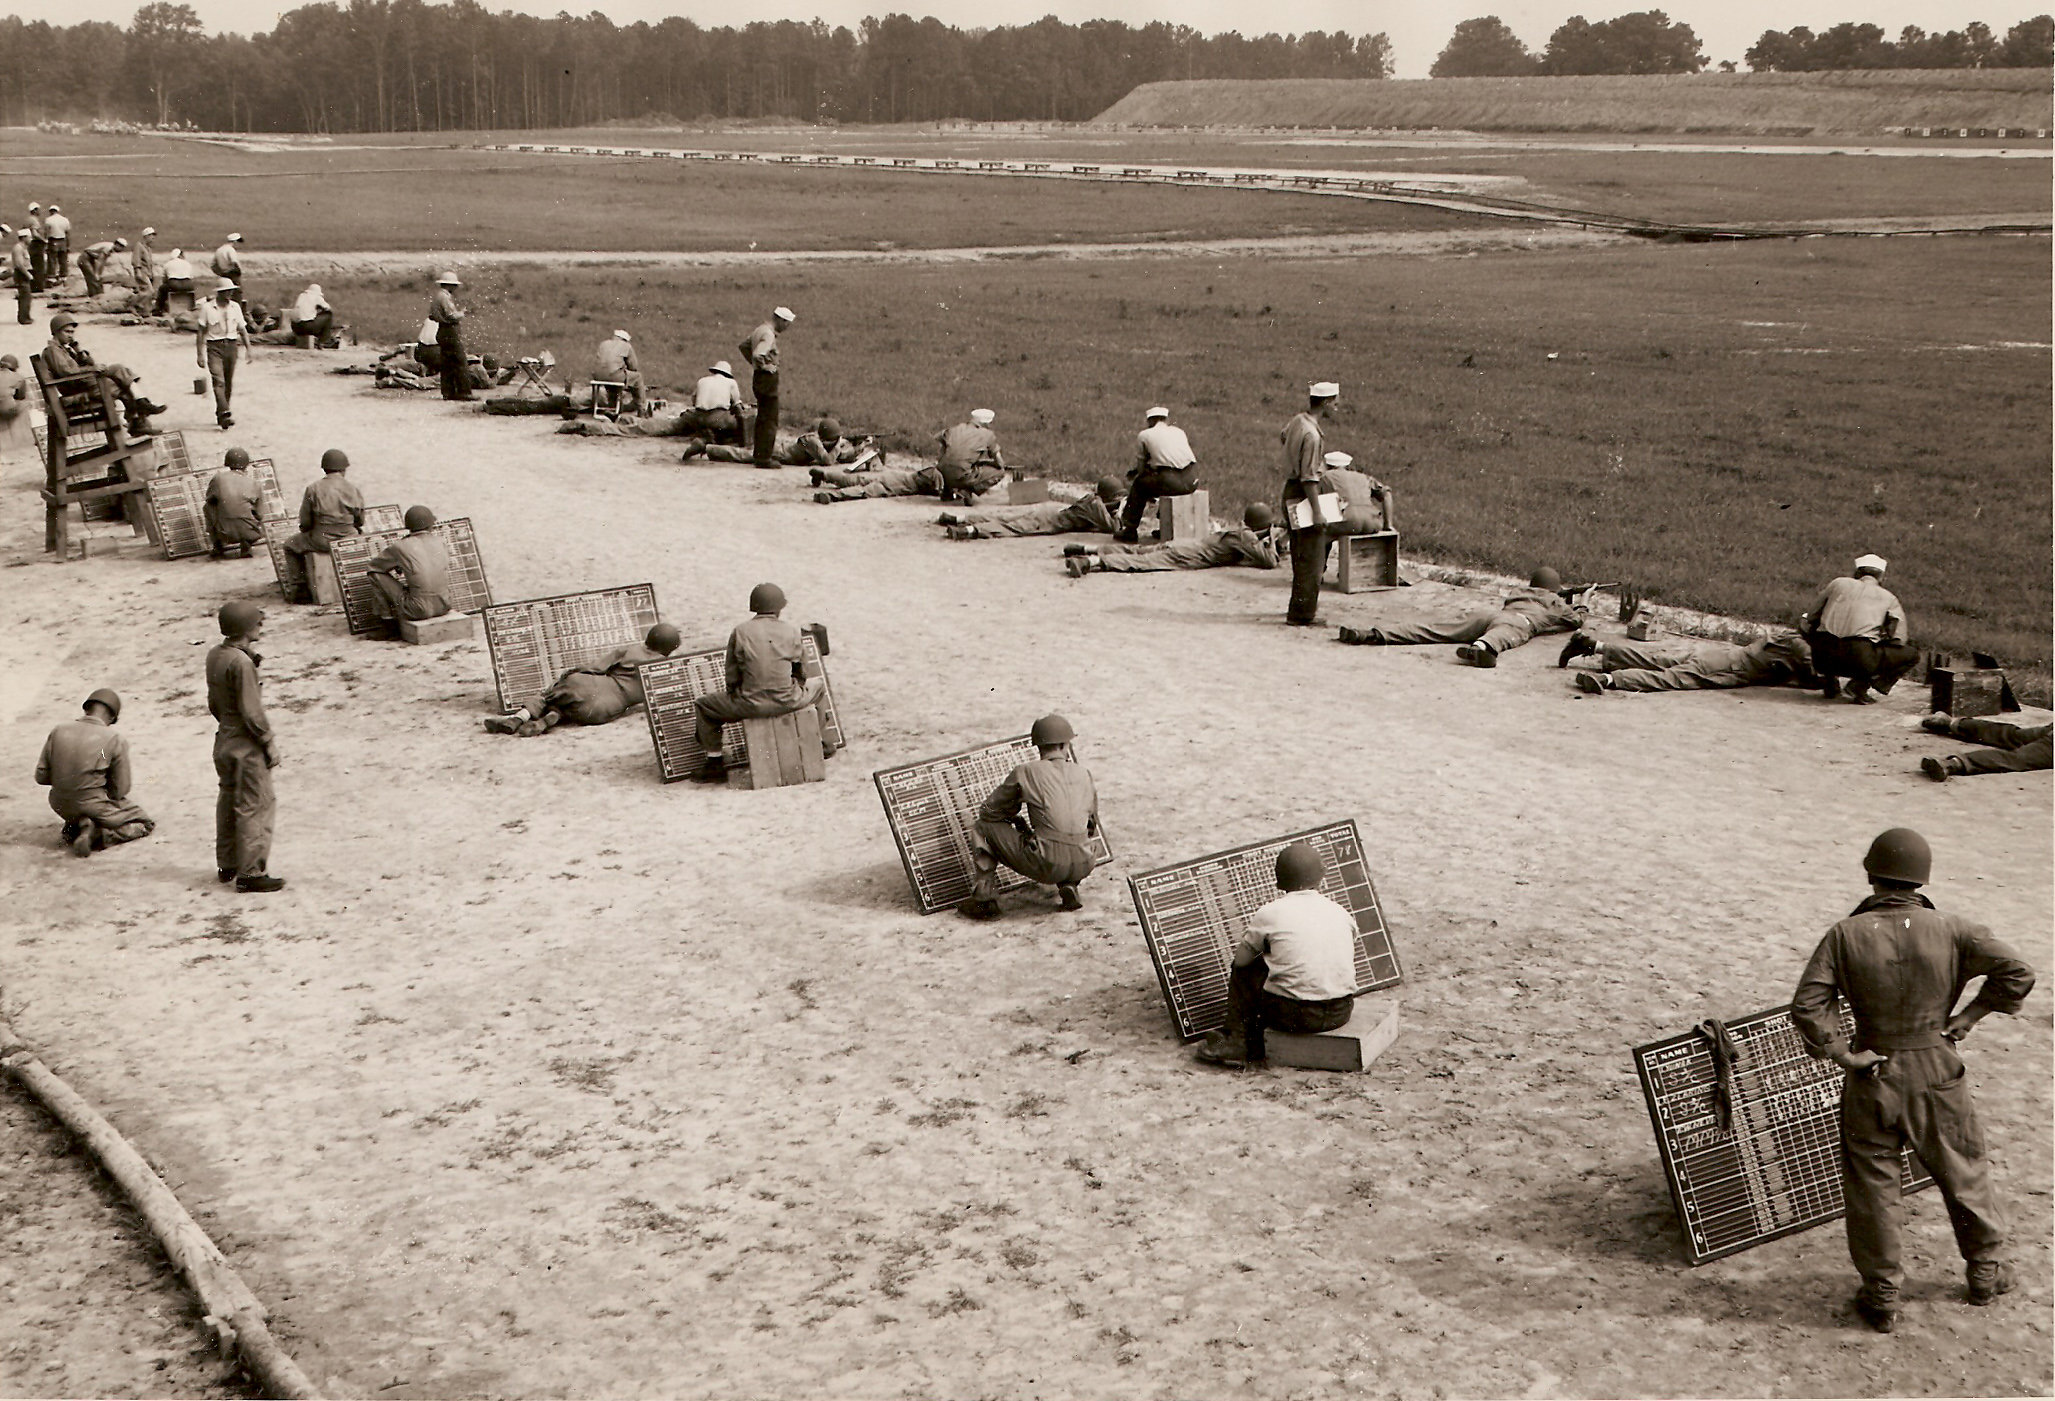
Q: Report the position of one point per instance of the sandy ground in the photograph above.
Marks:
(545, 1078)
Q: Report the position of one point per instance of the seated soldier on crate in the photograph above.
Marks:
(1254, 543)
(330, 508)
(65, 356)
(1683, 664)
(968, 465)
(235, 500)
(85, 767)
(1088, 515)
(1294, 969)
(591, 695)
(766, 677)
(411, 578)
(1543, 606)
(1051, 845)
(2012, 748)
(615, 363)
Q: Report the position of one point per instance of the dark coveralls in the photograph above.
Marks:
(764, 660)
(1062, 814)
(424, 561)
(761, 351)
(1902, 966)
(85, 765)
(2014, 748)
(449, 344)
(593, 695)
(246, 807)
(1303, 460)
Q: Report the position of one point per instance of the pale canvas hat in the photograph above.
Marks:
(1875, 562)
(235, 238)
(982, 417)
(722, 367)
(224, 286)
(1324, 389)
(783, 313)
(148, 232)
(624, 336)
(1338, 459)
(448, 279)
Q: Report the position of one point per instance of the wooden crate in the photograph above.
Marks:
(1370, 1030)
(1187, 517)
(1968, 691)
(783, 750)
(1368, 562)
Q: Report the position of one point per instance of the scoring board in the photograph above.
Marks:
(469, 591)
(931, 805)
(536, 640)
(279, 529)
(1776, 1169)
(670, 687)
(179, 500)
(1194, 913)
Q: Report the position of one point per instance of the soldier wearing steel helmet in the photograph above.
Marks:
(1088, 515)
(591, 695)
(1903, 966)
(410, 578)
(1295, 967)
(245, 752)
(766, 676)
(85, 766)
(1051, 845)
(234, 503)
(1253, 543)
(331, 508)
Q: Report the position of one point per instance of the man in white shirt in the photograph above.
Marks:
(716, 412)
(1165, 465)
(312, 315)
(222, 336)
(1857, 630)
(56, 247)
(1294, 969)
(178, 278)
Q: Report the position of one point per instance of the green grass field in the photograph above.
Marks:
(1726, 425)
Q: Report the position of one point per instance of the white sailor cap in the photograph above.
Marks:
(624, 336)
(783, 313)
(1324, 389)
(1158, 412)
(235, 238)
(982, 417)
(1338, 459)
(1875, 562)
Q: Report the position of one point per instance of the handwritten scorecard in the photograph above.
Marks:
(353, 554)
(179, 500)
(1776, 1168)
(670, 687)
(931, 806)
(279, 529)
(536, 640)
(1194, 913)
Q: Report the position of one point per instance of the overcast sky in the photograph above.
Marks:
(1417, 30)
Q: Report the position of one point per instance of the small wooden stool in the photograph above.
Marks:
(1187, 517)
(606, 398)
(783, 750)
(1349, 1047)
(1368, 562)
(445, 627)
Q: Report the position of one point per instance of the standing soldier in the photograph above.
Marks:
(245, 753)
(1304, 458)
(1903, 966)
(1165, 465)
(228, 267)
(85, 767)
(21, 263)
(142, 260)
(1052, 844)
(221, 336)
(38, 248)
(761, 351)
(56, 248)
(449, 337)
(330, 508)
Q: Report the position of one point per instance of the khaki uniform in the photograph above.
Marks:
(330, 508)
(246, 808)
(1858, 630)
(1304, 460)
(1062, 814)
(593, 695)
(1701, 666)
(424, 561)
(2014, 748)
(1086, 516)
(234, 500)
(1525, 615)
(763, 678)
(761, 351)
(807, 450)
(85, 765)
(1902, 966)
(1223, 547)
(860, 486)
(969, 462)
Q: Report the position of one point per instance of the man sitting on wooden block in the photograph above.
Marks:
(591, 695)
(411, 578)
(2013, 748)
(1089, 515)
(1254, 544)
(331, 507)
(85, 766)
(234, 498)
(1366, 502)
(1294, 969)
(1688, 665)
(1526, 613)
(766, 676)
(1165, 465)
(1052, 844)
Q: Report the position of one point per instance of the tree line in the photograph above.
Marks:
(1648, 41)
(408, 65)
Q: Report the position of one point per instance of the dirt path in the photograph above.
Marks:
(544, 1078)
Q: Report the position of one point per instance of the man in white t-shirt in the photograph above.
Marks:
(1294, 969)
(221, 336)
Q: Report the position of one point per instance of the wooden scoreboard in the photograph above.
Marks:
(536, 640)
(670, 687)
(469, 591)
(179, 500)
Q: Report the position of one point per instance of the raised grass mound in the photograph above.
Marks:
(1762, 104)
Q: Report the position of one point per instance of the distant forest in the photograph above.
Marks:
(404, 65)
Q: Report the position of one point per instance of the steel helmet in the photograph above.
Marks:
(828, 428)
(107, 698)
(1052, 730)
(334, 460)
(766, 598)
(1257, 516)
(1900, 855)
(662, 638)
(61, 320)
(1545, 578)
(1300, 867)
(1111, 489)
(239, 617)
(235, 457)
(419, 518)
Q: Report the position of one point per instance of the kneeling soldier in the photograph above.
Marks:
(766, 676)
(85, 767)
(1295, 968)
(1052, 843)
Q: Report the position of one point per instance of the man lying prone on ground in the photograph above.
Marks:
(1686, 664)
(1254, 544)
(2012, 748)
(591, 695)
(1089, 515)
(968, 465)
(1525, 614)
(823, 447)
